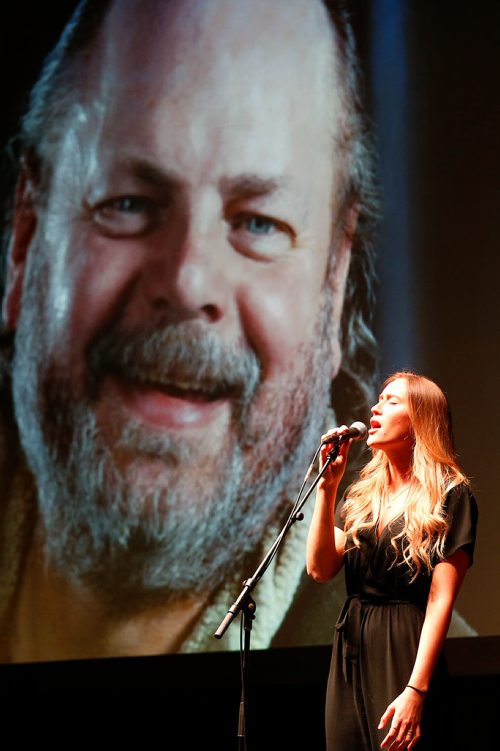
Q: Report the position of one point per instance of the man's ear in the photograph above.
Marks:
(339, 270)
(23, 229)
(338, 274)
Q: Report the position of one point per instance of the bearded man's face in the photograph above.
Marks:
(179, 319)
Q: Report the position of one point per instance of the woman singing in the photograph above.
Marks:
(405, 531)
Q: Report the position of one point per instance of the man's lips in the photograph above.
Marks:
(172, 375)
(168, 405)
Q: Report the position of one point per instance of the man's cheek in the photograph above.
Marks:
(89, 290)
(278, 320)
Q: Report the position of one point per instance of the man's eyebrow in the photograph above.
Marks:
(150, 174)
(246, 185)
(249, 186)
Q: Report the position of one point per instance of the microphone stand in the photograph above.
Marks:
(245, 604)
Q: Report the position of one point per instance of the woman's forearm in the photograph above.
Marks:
(432, 638)
(325, 542)
(446, 581)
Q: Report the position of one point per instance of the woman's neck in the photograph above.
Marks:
(399, 473)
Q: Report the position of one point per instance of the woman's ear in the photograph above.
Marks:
(23, 229)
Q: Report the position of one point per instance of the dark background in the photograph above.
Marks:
(192, 701)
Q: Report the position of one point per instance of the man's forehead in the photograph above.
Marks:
(283, 42)
(210, 90)
(299, 18)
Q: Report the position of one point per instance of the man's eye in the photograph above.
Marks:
(259, 225)
(260, 236)
(126, 216)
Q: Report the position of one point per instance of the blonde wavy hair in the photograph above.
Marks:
(435, 470)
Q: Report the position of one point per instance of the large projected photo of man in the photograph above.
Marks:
(188, 269)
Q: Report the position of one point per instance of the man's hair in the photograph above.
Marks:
(51, 99)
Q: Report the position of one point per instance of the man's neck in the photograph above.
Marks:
(73, 623)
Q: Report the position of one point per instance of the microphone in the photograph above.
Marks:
(357, 432)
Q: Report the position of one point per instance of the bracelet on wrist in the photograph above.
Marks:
(418, 690)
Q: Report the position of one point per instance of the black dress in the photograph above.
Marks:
(378, 631)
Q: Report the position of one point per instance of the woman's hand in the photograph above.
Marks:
(404, 714)
(335, 470)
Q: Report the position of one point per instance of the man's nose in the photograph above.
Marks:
(188, 275)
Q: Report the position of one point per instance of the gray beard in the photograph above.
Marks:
(136, 539)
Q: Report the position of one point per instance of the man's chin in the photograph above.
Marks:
(132, 579)
(138, 528)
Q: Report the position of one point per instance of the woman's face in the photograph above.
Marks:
(390, 425)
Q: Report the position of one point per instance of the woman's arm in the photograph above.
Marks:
(405, 711)
(325, 541)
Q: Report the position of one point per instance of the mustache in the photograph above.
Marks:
(185, 357)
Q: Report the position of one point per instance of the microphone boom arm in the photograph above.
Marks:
(243, 599)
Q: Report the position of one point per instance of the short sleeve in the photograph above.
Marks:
(339, 516)
(462, 513)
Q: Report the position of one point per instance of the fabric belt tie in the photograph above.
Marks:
(350, 622)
